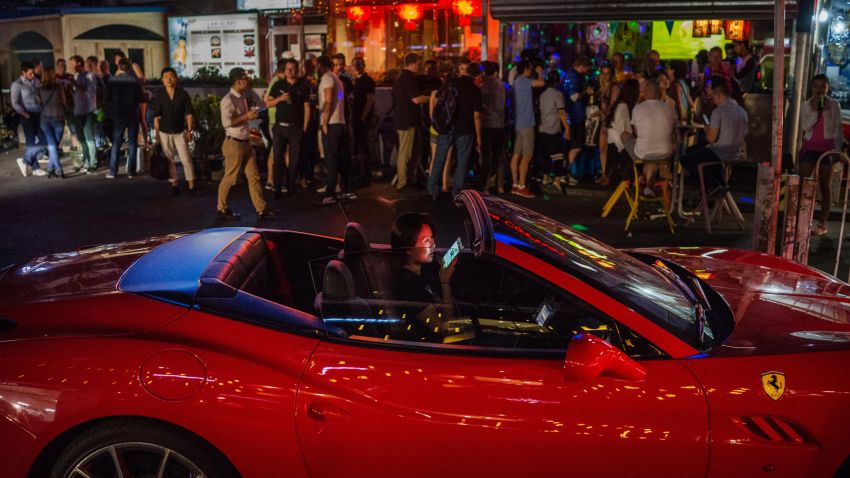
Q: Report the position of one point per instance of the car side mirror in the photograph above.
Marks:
(589, 357)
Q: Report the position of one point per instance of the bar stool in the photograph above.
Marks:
(638, 198)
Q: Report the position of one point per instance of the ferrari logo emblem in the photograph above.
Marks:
(773, 384)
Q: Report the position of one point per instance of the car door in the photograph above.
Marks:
(491, 398)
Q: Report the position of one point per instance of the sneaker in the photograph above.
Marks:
(129, 176)
(349, 195)
(227, 214)
(571, 181)
(269, 187)
(524, 192)
(23, 166)
(110, 176)
(648, 192)
(327, 201)
(820, 230)
(322, 189)
(39, 172)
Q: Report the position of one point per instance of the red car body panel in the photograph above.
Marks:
(372, 411)
(779, 307)
(815, 405)
(245, 406)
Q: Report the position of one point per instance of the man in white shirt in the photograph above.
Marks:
(236, 115)
(653, 122)
(332, 121)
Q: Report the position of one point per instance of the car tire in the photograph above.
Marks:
(141, 445)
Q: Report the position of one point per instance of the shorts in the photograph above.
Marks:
(578, 133)
(524, 142)
(551, 146)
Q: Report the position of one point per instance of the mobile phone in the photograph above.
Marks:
(450, 255)
(261, 109)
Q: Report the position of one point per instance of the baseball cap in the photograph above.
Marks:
(237, 73)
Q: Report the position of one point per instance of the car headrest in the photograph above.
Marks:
(355, 239)
(234, 267)
(337, 282)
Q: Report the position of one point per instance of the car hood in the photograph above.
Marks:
(76, 294)
(779, 306)
(86, 271)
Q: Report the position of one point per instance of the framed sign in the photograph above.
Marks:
(314, 42)
(218, 41)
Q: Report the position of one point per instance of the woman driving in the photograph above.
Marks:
(420, 279)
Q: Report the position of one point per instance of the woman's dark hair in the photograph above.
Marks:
(629, 95)
(680, 69)
(406, 227)
(553, 79)
(702, 59)
(820, 76)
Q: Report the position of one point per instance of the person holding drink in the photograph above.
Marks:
(820, 118)
(291, 99)
(236, 115)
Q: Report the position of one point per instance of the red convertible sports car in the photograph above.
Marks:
(267, 353)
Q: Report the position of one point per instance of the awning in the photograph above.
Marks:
(120, 32)
(549, 11)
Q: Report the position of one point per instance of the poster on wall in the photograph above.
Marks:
(222, 42)
(684, 39)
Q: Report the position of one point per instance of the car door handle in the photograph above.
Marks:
(325, 412)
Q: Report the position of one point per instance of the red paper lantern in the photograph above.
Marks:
(410, 12)
(358, 14)
(463, 7)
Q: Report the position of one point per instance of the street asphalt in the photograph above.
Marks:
(40, 216)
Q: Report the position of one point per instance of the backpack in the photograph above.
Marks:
(445, 110)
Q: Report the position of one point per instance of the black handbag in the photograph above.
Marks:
(159, 164)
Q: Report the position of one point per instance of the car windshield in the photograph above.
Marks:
(643, 287)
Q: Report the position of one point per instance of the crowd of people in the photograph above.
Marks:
(453, 125)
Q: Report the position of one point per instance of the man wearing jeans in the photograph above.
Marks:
(26, 102)
(290, 98)
(123, 95)
(406, 100)
(331, 104)
(85, 102)
(465, 124)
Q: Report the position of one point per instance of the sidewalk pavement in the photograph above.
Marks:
(40, 216)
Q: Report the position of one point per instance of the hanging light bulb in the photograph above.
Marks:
(823, 16)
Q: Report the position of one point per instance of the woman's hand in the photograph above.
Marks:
(447, 272)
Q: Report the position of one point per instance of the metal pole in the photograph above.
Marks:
(485, 29)
(778, 109)
(802, 45)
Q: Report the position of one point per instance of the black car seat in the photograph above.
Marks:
(339, 303)
(370, 268)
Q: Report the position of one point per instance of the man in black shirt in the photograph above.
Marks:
(465, 124)
(173, 123)
(291, 97)
(407, 97)
(365, 122)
